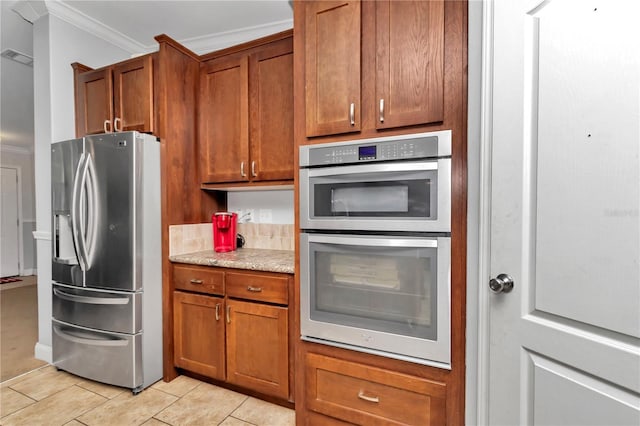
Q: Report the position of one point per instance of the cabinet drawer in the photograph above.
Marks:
(263, 288)
(372, 396)
(199, 279)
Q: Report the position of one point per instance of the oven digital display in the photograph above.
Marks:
(367, 152)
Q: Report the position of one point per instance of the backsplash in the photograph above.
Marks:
(199, 237)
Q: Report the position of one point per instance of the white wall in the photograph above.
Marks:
(16, 123)
(267, 206)
(56, 45)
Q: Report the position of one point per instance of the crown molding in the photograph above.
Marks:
(86, 23)
(12, 149)
(32, 10)
(213, 42)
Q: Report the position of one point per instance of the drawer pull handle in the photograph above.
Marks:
(217, 312)
(352, 114)
(374, 399)
(228, 314)
(254, 289)
(195, 281)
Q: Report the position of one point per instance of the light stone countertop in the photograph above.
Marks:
(245, 258)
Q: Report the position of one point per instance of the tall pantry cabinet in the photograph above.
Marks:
(366, 69)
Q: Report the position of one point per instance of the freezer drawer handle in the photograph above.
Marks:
(92, 300)
(92, 342)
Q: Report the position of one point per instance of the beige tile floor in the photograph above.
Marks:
(49, 397)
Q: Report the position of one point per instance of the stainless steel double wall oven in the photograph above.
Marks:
(375, 247)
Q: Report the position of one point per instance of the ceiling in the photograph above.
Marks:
(183, 20)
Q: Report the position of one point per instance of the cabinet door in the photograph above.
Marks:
(409, 62)
(332, 67)
(224, 114)
(94, 102)
(198, 333)
(133, 95)
(271, 106)
(257, 347)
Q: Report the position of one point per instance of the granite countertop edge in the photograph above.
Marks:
(266, 260)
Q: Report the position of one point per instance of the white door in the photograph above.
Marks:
(564, 213)
(9, 223)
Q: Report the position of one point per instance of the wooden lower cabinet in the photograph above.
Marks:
(257, 347)
(366, 395)
(198, 333)
(233, 326)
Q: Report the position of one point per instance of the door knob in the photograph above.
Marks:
(503, 283)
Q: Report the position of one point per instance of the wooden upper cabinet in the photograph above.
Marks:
(115, 98)
(94, 101)
(224, 115)
(384, 57)
(271, 106)
(409, 62)
(133, 95)
(332, 67)
(246, 115)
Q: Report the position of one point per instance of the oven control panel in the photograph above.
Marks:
(424, 145)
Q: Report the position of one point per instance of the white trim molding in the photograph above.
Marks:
(84, 22)
(42, 235)
(12, 149)
(213, 42)
(484, 237)
(43, 352)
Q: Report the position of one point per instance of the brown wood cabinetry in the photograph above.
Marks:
(403, 64)
(198, 330)
(115, 98)
(241, 337)
(257, 347)
(372, 65)
(372, 396)
(246, 115)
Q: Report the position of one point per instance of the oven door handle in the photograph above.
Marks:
(390, 242)
(375, 168)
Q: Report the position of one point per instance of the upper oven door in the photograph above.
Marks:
(394, 196)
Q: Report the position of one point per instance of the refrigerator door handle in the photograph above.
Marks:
(91, 300)
(76, 209)
(86, 341)
(92, 212)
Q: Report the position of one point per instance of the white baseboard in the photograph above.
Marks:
(44, 352)
(27, 272)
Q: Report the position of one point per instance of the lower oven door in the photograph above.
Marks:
(385, 295)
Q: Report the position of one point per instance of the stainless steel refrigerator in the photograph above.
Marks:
(106, 262)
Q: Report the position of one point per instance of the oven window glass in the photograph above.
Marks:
(386, 289)
(378, 195)
(370, 199)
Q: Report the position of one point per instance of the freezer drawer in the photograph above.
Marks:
(120, 312)
(112, 358)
